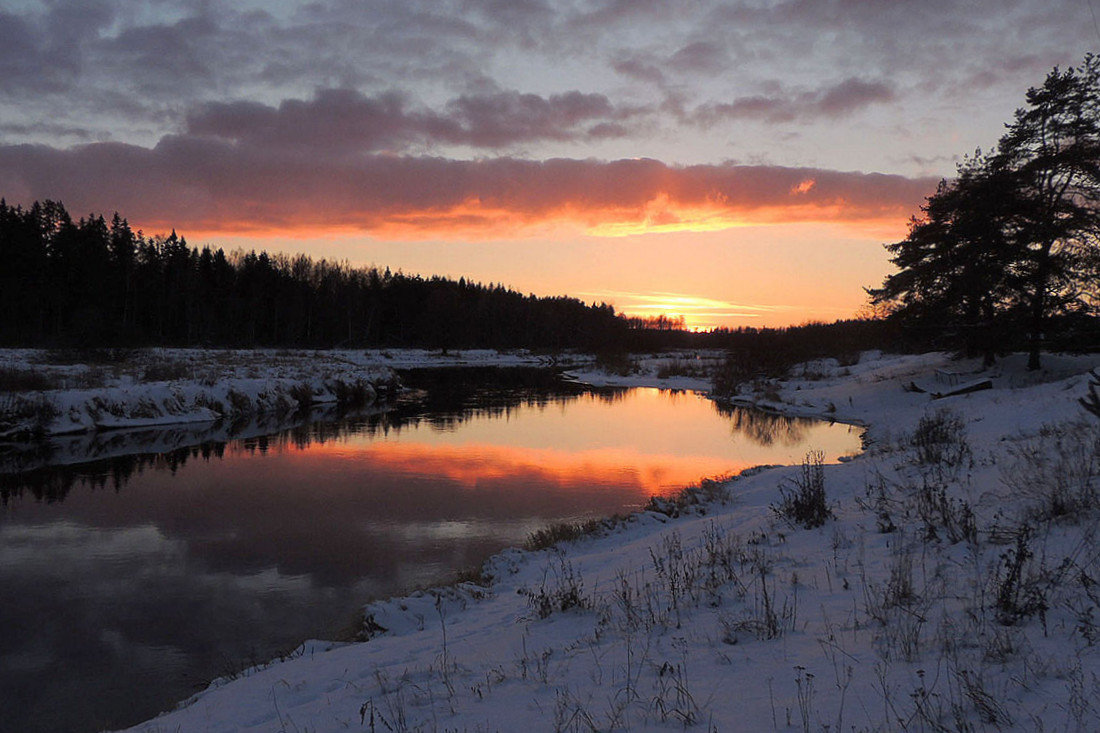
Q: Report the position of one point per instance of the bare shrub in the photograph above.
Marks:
(940, 438)
(352, 394)
(802, 501)
(555, 534)
(29, 413)
(616, 362)
(88, 356)
(211, 403)
(1091, 402)
(691, 499)
(987, 704)
(302, 393)
(682, 368)
(562, 589)
(899, 606)
(14, 379)
(877, 501)
(240, 402)
(769, 618)
(672, 699)
(938, 511)
(166, 371)
(1018, 590)
(1058, 470)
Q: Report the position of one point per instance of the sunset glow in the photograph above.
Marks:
(454, 139)
(698, 313)
(477, 466)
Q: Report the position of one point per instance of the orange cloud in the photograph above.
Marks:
(213, 186)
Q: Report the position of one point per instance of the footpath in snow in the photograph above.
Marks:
(949, 581)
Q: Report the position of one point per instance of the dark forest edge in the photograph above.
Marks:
(90, 284)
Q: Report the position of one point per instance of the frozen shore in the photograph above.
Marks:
(952, 585)
(81, 392)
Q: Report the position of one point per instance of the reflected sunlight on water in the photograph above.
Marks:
(129, 581)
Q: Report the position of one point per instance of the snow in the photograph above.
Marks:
(949, 590)
(161, 387)
(685, 371)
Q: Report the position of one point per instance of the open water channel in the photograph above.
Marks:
(128, 582)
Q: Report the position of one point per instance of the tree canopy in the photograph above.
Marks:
(94, 283)
(1010, 245)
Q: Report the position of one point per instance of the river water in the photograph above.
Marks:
(131, 580)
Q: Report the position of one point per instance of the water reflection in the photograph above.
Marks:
(766, 428)
(130, 579)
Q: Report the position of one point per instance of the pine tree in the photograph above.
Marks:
(1013, 239)
(954, 267)
(1052, 154)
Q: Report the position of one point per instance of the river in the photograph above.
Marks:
(131, 580)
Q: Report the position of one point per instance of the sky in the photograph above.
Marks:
(737, 163)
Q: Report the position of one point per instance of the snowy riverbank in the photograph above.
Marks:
(53, 393)
(953, 586)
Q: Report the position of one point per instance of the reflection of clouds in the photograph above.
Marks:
(488, 467)
(443, 530)
(226, 551)
(91, 614)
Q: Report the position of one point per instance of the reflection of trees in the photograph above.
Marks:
(53, 483)
(765, 428)
(442, 398)
(445, 397)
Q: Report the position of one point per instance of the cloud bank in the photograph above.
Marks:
(212, 184)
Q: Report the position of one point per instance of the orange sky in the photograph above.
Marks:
(754, 275)
(663, 157)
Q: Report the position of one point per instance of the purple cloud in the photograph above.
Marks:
(700, 56)
(203, 183)
(839, 100)
(342, 120)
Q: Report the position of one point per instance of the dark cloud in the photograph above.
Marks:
(343, 120)
(124, 70)
(335, 119)
(848, 96)
(23, 61)
(845, 98)
(501, 119)
(213, 185)
(700, 56)
(167, 58)
(639, 69)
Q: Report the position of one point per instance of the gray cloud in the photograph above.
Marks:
(838, 100)
(210, 184)
(129, 69)
(343, 120)
(700, 56)
(637, 68)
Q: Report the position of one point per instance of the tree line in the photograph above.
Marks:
(1007, 254)
(93, 283)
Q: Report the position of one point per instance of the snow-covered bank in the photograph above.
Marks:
(682, 370)
(73, 392)
(953, 587)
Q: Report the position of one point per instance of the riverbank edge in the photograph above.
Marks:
(875, 397)
(48, 393)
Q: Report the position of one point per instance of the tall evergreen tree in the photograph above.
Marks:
(1052, 154)
(953, 267)
(1013, 239)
